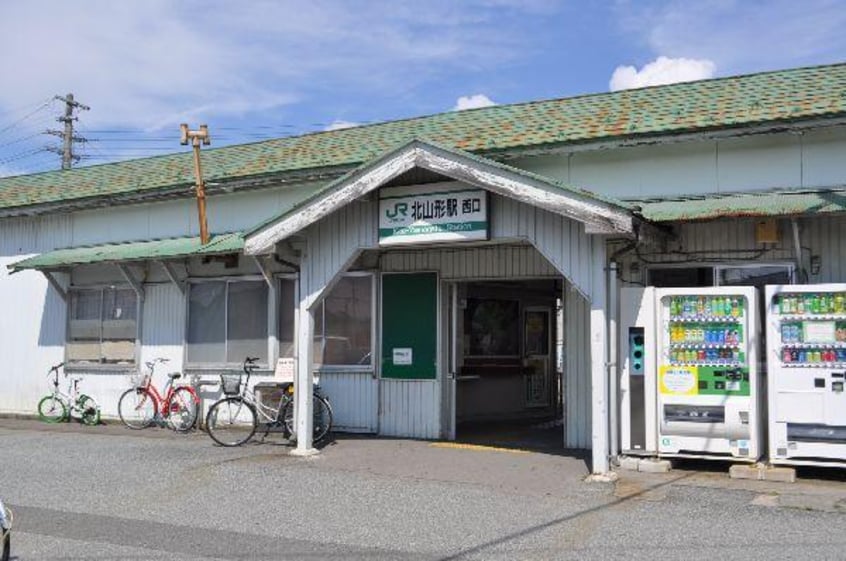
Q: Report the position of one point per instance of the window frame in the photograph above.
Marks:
(373, 329)
(76, 365)
(270, 339)
(718, 266)
(277, 317)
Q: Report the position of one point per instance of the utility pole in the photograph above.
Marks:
(196, 137)
(67, 135)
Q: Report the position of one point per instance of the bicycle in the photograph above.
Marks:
(235, 418)
(142, 405)
(60, 406)
(6, 520)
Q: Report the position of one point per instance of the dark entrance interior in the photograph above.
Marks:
(509, 356)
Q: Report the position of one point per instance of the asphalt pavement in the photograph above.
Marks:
(111, 493)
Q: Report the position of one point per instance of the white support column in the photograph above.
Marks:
(305, 377)
(598, 358)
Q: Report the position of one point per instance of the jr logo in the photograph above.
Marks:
(399, 212)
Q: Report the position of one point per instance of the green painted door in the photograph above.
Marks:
(409, 326)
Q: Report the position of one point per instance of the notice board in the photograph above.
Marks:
(409, 326)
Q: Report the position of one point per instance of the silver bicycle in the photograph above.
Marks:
(234, 419)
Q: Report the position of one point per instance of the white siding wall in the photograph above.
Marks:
(354, 398)
(163, 328)
(332, 244)
(826, 237)
(491, 262)
(32, 315)
(813, 159)
(410, 408)
(560, 240)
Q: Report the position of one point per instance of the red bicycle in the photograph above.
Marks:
(142, 405)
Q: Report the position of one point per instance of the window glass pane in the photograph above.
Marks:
(85, 304)
(247, 322)
(119, 325)
(84, 327)
(287, 306)
(754, 276)
(119, 304)
(347, 323)
(206, 322)
(119, 314)
(681, 277)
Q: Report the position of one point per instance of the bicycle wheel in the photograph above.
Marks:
(231, 421)
(322, 418)
(137, 408)
(51, 409)
(321, 415)
(89, 413)
(182, 410)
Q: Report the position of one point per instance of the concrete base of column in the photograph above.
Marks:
(304, 452)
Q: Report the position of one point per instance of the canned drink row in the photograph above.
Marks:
(813, 356)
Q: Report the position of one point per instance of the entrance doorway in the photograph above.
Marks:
(505, 364)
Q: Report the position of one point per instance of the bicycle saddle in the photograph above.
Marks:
(174, 375)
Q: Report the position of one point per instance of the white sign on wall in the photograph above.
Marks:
(433, 213)
(403, 356)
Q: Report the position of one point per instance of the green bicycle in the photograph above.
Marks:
(60, 406)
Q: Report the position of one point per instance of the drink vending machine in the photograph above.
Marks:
(701, 393)
(806, 358)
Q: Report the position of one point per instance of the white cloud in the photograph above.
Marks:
(341, 124)
(149, 64)
(738, 36)
(473, 102)
(662, 70)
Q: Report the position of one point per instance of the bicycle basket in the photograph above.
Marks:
(231, 385)
(139, 380)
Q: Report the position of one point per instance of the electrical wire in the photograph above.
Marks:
(27, 116)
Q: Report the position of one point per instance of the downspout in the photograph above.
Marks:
(797, 249)
(613, 398)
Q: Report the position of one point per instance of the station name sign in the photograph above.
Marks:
(437, 213)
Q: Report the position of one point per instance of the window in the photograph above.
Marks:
(681, 277)
(227, 321)
(755, 275)
(287, 310)
(343, 324)
(102, 327)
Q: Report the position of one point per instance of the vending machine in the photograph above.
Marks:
(698, 394)
(806, 360)
(708, 379)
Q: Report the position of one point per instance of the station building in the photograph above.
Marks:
(437, 274)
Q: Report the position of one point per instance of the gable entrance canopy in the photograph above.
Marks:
(568, 226)
(597, 214)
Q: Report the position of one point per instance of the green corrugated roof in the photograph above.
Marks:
(133, 251)
(764, 204)
(787, 95)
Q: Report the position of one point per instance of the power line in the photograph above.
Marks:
(25, 117)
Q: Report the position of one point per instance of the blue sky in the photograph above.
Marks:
(264, 69)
